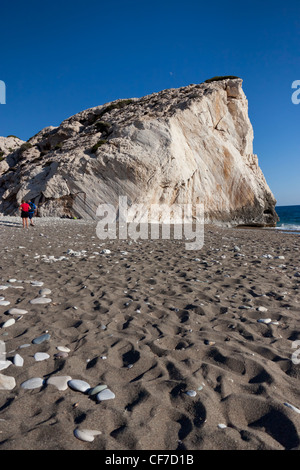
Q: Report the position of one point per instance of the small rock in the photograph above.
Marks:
(63, 349)
(18, 360)
(106, 394)
(41, 356)
(264, 320)
(191, 393)
(87, 435)
(209, 343)
(5, 364)
(60, 382)
(9, 322)
(35, 382)
(17, 311)
(41, 339)
(262, 309)
(6, 382)
(4, 302)
(45, 291)
(79, 385)
(97, 389)
(40, 300)
(61, 354)
(292, 407)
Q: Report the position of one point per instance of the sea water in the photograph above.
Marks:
(289, 218)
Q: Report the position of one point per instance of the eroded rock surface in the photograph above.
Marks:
(188, 145)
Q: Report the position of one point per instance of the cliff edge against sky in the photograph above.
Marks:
(188, 145)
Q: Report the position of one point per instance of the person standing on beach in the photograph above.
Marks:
(24, 209)
(32, 211)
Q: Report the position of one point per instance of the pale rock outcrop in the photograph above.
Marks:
(188, 145)
(8, 145)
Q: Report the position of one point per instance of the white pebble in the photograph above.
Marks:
(106, 394)
(262, 309)
(4, 364)
(292, 407)
(264, 320)
(17, 311)
(6, 382)
(18, 360)
(191, 393)
(60, 382)
(9, 322)
(41, 356)
(79, 385)
(40, 300)
(36, 382)
(45, 291)
(87, 435)
(63, 349)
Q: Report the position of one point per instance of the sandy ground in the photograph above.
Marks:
(152, 321)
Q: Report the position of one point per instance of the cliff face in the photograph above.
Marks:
(187, 145)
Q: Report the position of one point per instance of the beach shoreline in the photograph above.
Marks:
(180, 337)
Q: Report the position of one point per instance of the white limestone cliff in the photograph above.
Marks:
(188, 145)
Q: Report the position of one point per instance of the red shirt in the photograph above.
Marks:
(25, 207)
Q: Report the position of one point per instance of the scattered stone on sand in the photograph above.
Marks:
(79, 385)
(40, 300)
(264, 320)
(292, 407)
(60, 382)
(17, 311)
(18, 360)
(8, 323)
(41, 356)
(41, 339)
(105, 394)
(262, 309)
(45, 291)
(87, 435)
(97, 389)
(6, 382)
(35, 382)
(191, 393)
(63, 349)
(5, 364)
(61, 354)
(4, 302)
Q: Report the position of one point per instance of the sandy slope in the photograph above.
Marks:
(152, 321)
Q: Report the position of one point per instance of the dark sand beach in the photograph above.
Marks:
(152, 321)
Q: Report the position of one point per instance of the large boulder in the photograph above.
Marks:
(188, 145)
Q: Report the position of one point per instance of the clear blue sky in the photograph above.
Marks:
(60, 57)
